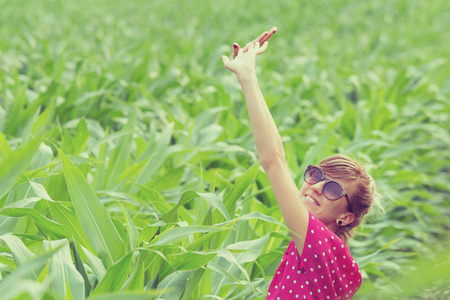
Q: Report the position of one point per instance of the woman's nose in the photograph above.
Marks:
(318, 187)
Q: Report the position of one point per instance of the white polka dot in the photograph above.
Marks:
(295, 281)
(332, 237)
(322, 277)
(344, 256)
(292, 253)
(326, 240)
(307, 282)
(334, 248)
(315, 280)
(288, 277)
(278, 298)
(293, 267)
(343, 275)
(312, 217)
(282, 287)
(346, 286)
(328, 297)
(315, 255)
(321, 228)
(310, 293)
(320, 242)
(301, 286)
(268, 293)
(304, 259)
(276, 286)
(342, 246)
(331, 261)
(287, 263)
(278, 272)
(344, 266)
(318, 290)
(312, 231)
(351, 282)
(296, 296)
(323, 253)
(312, 270)
(309, 246)
(290, 291)
(325, 287)
(319, 266)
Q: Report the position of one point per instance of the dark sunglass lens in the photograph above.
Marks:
(313, 175)
(333, 190)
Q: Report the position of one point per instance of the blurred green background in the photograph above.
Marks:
(135, 94)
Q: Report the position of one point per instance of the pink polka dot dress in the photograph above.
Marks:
(325, 270)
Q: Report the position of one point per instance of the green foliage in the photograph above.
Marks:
(127, 166)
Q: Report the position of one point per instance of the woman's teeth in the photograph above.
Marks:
(308, 198)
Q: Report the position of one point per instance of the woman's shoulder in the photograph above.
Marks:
(321, 243)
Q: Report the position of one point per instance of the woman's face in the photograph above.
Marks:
(325, 210)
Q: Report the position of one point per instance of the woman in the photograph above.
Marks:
(321, 216)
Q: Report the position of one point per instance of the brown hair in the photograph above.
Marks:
(362, 195)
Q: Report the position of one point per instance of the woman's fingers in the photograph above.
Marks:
(264, 37)
(263, 48)
(235, 50)
(225, 59)
(268, 35)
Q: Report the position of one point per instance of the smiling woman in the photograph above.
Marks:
(334, 198)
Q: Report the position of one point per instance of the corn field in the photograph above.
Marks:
(127, 164)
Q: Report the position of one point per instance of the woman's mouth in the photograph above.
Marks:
(311, 200)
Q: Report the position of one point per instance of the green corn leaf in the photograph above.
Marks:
(239, 188)
(192, 288)
(157, 155)
(93, 217)
(155, 198)
(179, 233)
(14, 164)
(319, 147)
(15, 283)
(119, 156)
(95, 263)
(186, 261)
(133, 233)
(65, 216)
(148, 294)
(20, 252)
(115, 276)
(63, 270)
(188, 196)
(46, 225)
(40, 191)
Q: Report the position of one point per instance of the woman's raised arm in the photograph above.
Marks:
(268, 141)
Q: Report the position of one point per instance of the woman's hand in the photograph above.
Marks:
(265, 36)
(243, 65)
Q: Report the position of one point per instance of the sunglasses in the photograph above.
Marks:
(332, 190)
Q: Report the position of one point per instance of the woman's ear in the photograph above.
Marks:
(347, 218)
